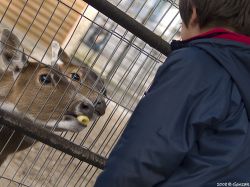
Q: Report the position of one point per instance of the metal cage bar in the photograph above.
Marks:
(131, 25)
(41, 134)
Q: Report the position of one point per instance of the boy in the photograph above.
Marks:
(192, 128)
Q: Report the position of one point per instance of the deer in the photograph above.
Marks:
(80, 73)
(58, 98)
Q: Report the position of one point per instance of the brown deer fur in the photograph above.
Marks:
(41, 94)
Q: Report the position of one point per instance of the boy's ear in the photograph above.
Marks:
(193, 22)
(11, 52)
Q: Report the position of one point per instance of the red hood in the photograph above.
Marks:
(223, 34)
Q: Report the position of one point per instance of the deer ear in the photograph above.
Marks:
(11, 52)
(59, 56)
(55, 47)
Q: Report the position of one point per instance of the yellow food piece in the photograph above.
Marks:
(84, 120)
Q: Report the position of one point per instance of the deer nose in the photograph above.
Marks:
(100, 107)
(84, 108)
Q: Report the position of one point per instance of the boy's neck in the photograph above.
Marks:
(218, 32)
(206, 31)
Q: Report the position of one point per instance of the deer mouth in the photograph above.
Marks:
(83, 120)
(73, 122)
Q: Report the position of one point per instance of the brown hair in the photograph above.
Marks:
(234, 14)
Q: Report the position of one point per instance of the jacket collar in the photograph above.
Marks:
(213, 33)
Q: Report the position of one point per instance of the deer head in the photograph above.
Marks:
(41, 93)
(60, 97)
(82, 77)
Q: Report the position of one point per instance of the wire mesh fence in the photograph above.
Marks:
(45, 84)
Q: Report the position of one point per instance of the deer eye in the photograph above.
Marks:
(75, 77)
(45, 79)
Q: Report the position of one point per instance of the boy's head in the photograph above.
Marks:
(230, 14)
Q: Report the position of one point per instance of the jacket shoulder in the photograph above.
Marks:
(197, 62)
(192, 56)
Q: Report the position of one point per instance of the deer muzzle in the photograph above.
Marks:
(80, 111)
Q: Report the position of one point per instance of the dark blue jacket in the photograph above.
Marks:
(192, 128)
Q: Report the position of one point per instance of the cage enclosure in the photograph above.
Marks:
(70, 78)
